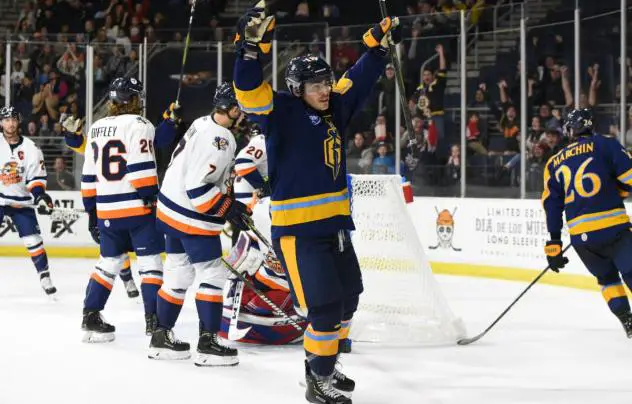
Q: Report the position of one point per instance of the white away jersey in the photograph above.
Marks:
(119, 168)
(23, 172)
(197, 177)
(251, 158)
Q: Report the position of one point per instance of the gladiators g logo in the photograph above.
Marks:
(333, 150)
(445, 230)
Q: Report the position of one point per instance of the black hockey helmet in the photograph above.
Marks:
(304, 69)
(579, 122)
(10, 112)
(123, 90)
(225, 97)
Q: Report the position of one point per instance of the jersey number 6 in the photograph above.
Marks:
(577, 181)
(113, 164)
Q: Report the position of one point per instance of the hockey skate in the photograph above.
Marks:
(130, 288)
(47, 284)
(210, 352)
(151, 323)
(320, 389)
(97, 330)
(626, 321)
(164, 346)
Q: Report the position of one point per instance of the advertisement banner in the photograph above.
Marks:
(61, 228)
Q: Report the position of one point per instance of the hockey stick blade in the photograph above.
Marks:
(468, 341)
(234, 332)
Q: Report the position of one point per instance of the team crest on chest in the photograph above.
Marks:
(314, 119)
(220, 142)
(11, 173)
(333, 150)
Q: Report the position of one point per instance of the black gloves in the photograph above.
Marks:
(93, 228)
(554, 255)
(238, 215)
(44, 204)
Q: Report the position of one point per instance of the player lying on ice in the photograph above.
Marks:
(257, 323)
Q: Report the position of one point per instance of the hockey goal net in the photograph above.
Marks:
(402, 302)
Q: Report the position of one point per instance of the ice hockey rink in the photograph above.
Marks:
(558, 345)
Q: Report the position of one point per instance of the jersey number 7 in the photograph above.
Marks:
(575, 183)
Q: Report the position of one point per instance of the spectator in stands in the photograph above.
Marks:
(31, 129)
(380, 129)
(473, 135)
(430, 95)
(386, 86)
(45, 129)
(590, 100)
(535, 132)
(453, 166)
(71, 62)
(557, 87)
(60, 179)
(302, 12)
(508, 122)
(383, 162)
(535, 168)
(356, 146)
(343, 56)
(17, 75)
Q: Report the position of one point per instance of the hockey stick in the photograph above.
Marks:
(276, 309)
(400, 80)
(235, 333)
(60, 210)
(187, 42)
(467, 341)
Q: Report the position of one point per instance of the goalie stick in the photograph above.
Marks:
(467, 341)
(276, 309)
(234, 332)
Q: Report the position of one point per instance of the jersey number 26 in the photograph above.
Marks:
(575, 182)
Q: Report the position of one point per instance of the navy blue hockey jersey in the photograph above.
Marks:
(588, 180)
(306, 149)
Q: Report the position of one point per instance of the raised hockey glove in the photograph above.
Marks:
(73, 125)
(378, 36)
(255, 31)
(173, 113)
(93, 226)
(44, 204)
(554, 256)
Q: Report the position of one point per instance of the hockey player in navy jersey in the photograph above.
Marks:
(310, 203)
(588, 180)
(22, 184)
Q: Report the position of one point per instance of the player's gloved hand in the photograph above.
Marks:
(554, 255)
(93, 227)
(255, 31)
(265, 190)
(44, 204)
(173, 113)
(73, 125)
(239, 215)
(245, 257)
(377, 37)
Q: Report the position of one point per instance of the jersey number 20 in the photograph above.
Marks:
(575, 183)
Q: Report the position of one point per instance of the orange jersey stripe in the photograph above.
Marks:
(152, 281)
(144, 182)
(185, 228)
(203, 208)
(209, 298)
(122, 213)
(101, 281)
(36, 184)
(169, 298)
(270, 283)
(245, 171)
(88, 193)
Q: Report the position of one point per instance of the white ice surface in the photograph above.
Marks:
(557, 346)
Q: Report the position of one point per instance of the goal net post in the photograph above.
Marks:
(402, 302)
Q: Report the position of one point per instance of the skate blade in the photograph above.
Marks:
(133, 295)
(208, 360)
(167, 354)
(91, 337)
(347, 394)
